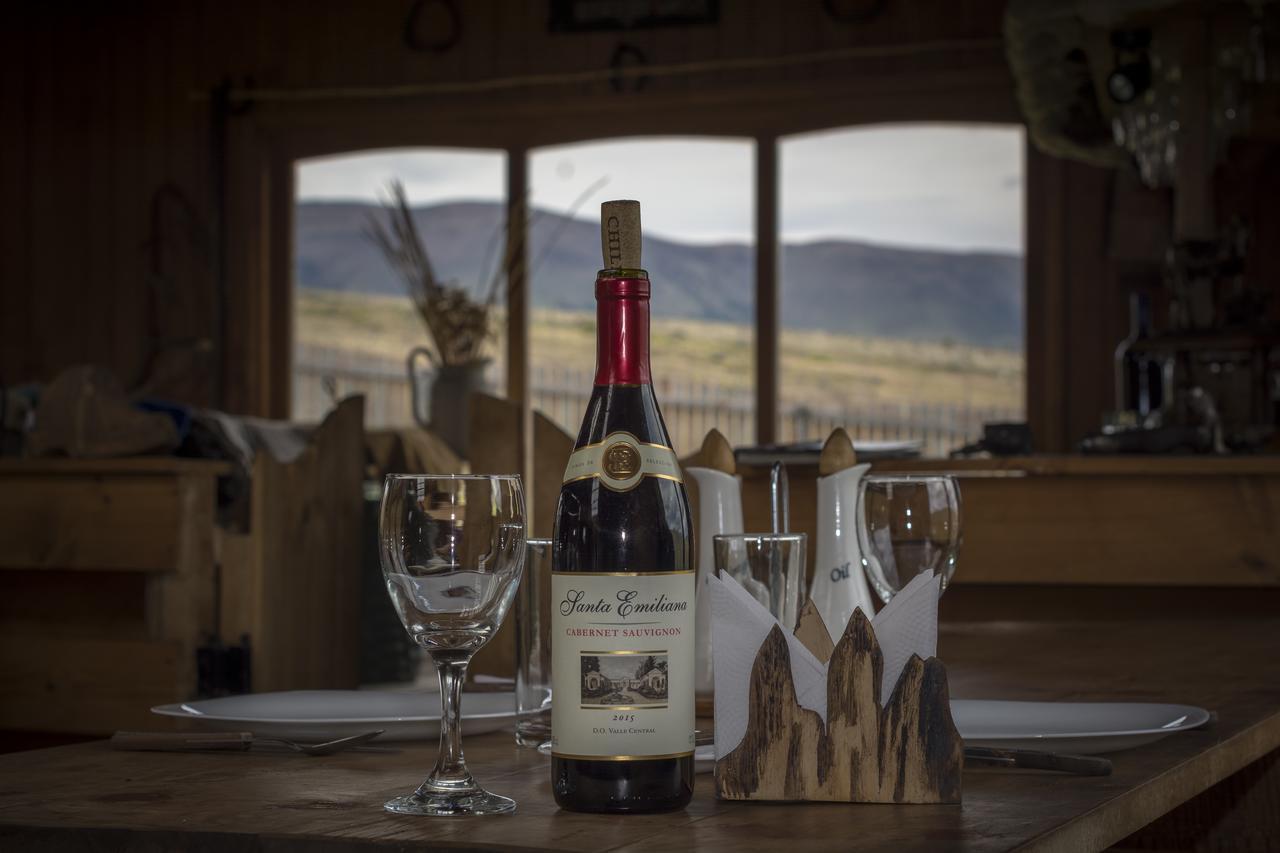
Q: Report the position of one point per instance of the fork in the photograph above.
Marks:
(233, 741)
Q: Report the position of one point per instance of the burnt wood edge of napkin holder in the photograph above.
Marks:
(909, 751)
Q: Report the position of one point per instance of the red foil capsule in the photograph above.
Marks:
(622, 330)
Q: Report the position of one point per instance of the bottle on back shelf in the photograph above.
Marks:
(622, 571)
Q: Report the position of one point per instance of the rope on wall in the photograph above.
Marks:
(603, 75)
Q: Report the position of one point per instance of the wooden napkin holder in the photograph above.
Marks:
(908, 751)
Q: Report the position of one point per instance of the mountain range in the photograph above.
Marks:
(841, 286)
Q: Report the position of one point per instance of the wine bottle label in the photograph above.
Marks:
(621, 462)
(622, 665)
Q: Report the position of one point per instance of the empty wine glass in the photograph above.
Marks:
(452, 549)
(907, 525)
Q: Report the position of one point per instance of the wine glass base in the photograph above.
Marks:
(453, 804)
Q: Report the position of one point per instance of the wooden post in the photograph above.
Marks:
(767, 314)
(517, 283)
(1047, 269)
(278, 370)
(518, 390)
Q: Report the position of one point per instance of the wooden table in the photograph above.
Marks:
(88, 797)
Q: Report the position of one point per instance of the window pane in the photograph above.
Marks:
(696, 199)
(354, 323)
(902, 287)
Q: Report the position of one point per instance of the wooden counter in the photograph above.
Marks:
(1122, 520)
(115, 574)
(87, 797)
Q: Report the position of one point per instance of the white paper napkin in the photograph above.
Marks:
(739, 625)
(906, 626)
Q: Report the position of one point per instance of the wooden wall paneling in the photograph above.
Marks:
(766, 35)
(799, 33)
(274, 330)
(95, 279)
(1247, 183)
(125, 221)
(1090, 388)
(278, 54)
(1193, 199)
(157, 159)
(15, 186)
(479, 22)
(246, 343)
(52, 141)
(311, 58)
(381, 55)
(560, 52)
(506, 43)
(181, 233)
(736, 26)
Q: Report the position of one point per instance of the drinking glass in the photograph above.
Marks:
(533, 647)
(907, 525)
(770, 566)
(452, 548)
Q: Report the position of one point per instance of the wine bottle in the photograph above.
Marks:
(622, 571)
(1139, 375)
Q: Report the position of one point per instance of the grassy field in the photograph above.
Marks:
(819, 369)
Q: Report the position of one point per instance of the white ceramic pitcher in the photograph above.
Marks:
(839, 584)
(719, 511)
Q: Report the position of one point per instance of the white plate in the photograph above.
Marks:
(1077, 728)
(319, 715)
(1082, 728)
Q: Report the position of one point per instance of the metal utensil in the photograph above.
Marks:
(231, 741)
(779, 498)
(1034, 759)
(1027, 759)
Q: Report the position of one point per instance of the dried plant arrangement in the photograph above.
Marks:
(457, 322)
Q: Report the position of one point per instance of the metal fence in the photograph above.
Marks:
(321, 376)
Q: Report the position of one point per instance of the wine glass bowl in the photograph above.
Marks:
(452, 550)
(908, 525)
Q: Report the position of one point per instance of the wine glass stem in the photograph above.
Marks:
(450, 773)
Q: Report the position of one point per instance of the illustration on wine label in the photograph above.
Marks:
(623, 680)
(621, 461)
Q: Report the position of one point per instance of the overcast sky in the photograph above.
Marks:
(938, 186)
